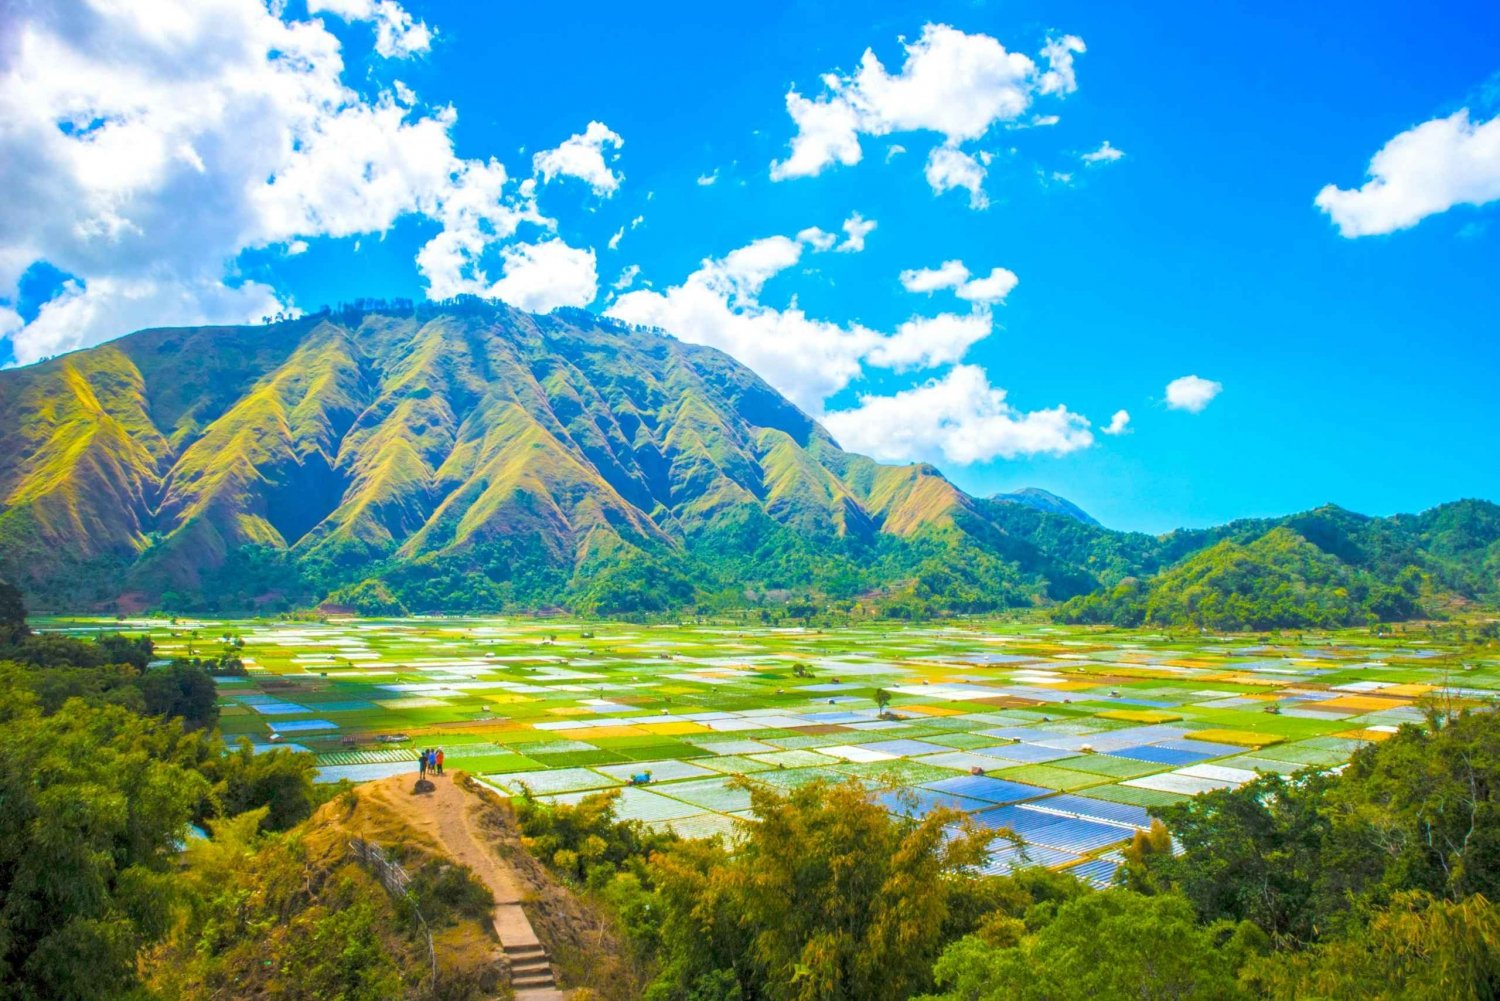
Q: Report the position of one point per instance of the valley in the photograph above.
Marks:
(1066, 736)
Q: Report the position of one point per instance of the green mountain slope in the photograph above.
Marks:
(1276, 581)
(469, 457)
(303, 457)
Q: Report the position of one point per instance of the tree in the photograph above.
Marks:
(12, 614)
(882, 699)
(1420, 949)
(829, 897)
(93, 802)
(184, 690)
(1254, 853)
(280, 779)
(1101, 945)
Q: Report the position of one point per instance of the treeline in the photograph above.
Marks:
(1325, 568)
(109, 761)
(1376, 882)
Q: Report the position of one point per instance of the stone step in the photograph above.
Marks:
(529, 967)
(536, 980)
(530, 949)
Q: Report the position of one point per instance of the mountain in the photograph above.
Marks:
(303, 454)
(1045, 500)
(470, 457)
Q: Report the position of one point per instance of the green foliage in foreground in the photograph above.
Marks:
(106, 762)
(1375, 882)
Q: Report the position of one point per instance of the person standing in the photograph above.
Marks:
(422, 766)
(437, 757)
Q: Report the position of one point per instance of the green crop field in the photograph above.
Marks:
(1063, 735)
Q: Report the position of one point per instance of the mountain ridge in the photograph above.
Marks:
(468, 457)
(378, 436)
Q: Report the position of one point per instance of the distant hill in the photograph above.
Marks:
(1045, 500)
(469, 457)
(1279, 580)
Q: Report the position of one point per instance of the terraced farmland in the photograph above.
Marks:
(1064, 736)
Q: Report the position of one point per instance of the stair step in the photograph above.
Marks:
(525, 969)
(525, 950)
(537, 980)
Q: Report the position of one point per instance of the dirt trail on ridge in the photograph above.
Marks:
(446, 816)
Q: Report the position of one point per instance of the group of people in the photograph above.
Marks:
(431, 760)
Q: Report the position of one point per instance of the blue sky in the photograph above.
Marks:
(1343, 351)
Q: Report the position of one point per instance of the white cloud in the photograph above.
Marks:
(990, 289)
(1119, 423)
(583, 156)
(1104, 154)
(817, 239)
(959, 418)
(1425, 170)
(627, 278)
(949, 168)
(949, 274)
(397, 33)
(704, 180)
(985, 291)
(951, 83)
(856, 228)
(539, 277)
(806, 358)
(929, 341)
(1191, 393)
(113, 117)
(1060, 77)
(614, 241)
(110, 306)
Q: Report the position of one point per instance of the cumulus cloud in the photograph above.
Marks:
(1060, 77)
(808, 359)
(1119, 423)
(959, 418)
(856, 228)
(930, 341)
(110, 125)
(952, 83)
(1192, 393)
(949, 168)
(704, 180)
(949, 274)
(817, 239)
(539, 277)
(990, 289)
(1425, 170)
(583, 156)
(986, 291)
(397, 34)
(120, 304)
(1104, 154)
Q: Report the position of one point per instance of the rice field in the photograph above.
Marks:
(1066, 736)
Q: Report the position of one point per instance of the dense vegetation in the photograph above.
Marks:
(1375, 882)
(1279, 580)
(465, 457)
(104, 894)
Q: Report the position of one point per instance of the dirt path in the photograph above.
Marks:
(445, 815)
